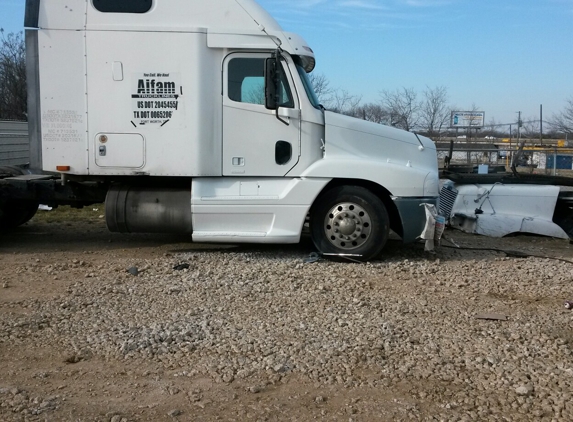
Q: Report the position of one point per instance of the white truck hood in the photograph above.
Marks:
(402, 162)
(351, 137)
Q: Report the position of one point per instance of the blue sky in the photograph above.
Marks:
(503, 56)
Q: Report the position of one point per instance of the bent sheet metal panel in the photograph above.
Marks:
(498, 210)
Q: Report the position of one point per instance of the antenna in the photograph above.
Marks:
(276, 40)
(262, 28)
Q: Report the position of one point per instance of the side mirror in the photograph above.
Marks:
(273, 77)
(273, 70)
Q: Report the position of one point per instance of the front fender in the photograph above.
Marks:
(399, 179)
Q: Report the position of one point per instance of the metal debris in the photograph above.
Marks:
(492, 317)
(312, 258)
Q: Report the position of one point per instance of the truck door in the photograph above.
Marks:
(255, 142)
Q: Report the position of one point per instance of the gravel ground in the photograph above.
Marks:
(254, 333)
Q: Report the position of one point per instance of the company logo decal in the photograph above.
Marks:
(157, 99)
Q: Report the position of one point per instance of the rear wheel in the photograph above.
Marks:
(16, 213)
(349, 220)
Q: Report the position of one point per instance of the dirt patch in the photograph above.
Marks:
(388, 329)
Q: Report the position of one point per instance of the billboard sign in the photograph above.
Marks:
(467, 119)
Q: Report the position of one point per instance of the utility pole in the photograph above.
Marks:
(510, 139)
(541, 124)
(519, 152)
(519, 124)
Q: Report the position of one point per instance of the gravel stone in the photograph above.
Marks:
(256, 317)
(174, 413)
(524, 390)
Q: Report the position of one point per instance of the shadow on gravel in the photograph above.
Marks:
(395, 250)
(78, 236)
(93, 236)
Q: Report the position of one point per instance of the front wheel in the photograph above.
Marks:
(349, 220)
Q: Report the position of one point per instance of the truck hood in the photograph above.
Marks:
(348, 137)
(404, 164)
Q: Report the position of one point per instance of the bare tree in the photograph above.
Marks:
(337, 100)
(372, 112)
(13, 101)
(341, 101)
(530, 128)
(470, 130)
(492, 128)
(434, 111)
(344, 103)
(321, 87)
(563, 122)
(255, 94)
(403, 107)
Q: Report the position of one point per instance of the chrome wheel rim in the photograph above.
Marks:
(347, 226)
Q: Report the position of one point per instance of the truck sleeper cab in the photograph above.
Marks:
(199, 117)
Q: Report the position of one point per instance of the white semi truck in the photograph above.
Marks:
(198, 116)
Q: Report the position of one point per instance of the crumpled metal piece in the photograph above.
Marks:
(312, 258)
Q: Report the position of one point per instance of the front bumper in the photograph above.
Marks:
(413, 216)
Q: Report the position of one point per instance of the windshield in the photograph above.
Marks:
(306, 83)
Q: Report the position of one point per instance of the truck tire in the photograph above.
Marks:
(349, 220)
(16, 213)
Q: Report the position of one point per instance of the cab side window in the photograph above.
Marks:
(123, 6)
(246, 82)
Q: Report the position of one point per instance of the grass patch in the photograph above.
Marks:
(65, 213)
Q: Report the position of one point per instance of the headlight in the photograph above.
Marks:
(432, 185)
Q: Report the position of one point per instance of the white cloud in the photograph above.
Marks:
(426, 3)
(362, 4)
(308, 4)
(301, 4)
(371, 15)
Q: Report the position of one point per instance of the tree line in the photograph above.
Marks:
(13, 100)
(404, 108)
(427, 112)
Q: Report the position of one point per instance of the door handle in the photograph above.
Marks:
(291, 113)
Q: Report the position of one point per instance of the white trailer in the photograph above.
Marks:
(198, 116)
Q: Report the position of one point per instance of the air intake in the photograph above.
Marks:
(448, 196)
